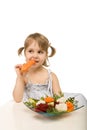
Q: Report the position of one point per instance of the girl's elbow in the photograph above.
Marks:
(17, 99)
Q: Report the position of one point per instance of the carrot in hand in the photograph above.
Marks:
(27, 65)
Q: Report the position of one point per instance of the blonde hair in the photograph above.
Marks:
(43, 43)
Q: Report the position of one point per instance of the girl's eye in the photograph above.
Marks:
(30, 51)
(40, 52)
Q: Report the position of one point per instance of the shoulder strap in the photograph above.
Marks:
(50, 82)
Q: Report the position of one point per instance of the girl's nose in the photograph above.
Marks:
(35, 55)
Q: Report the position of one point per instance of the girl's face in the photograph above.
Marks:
(33, 51)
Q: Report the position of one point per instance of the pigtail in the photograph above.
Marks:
(20, 50)
(53, 51)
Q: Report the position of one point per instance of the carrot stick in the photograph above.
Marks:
(70, 106)
(27, 65)
(48, 99)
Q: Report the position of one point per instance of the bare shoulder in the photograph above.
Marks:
(54, 76)
(56, 84)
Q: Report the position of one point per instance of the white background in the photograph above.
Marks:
(63, 22)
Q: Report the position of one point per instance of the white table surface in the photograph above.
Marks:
(16, 116)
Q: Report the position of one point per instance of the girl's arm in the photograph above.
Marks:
(55, 85)
(19, 85)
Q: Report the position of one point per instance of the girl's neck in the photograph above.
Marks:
(38, 76)
(39, 69)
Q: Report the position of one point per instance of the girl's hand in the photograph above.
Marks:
(23, 68)
(18, 69)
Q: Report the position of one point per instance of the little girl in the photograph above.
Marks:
(38, 81)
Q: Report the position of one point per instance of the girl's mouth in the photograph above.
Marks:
(36, 61)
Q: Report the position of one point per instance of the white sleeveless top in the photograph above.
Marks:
(37, 91)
